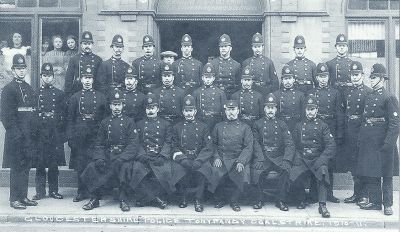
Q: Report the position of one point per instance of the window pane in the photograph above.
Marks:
(394, 4)
(27, 3)
(70, 3)
(358, 4)
(7, 3)
(48, 3)
(378, 4)
(56, 36)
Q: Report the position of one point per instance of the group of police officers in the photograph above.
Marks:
(153, 129)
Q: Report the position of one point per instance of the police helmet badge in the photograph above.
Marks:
(20, 60)
(47, 67)
(299, 41)
(341, 38)
(186, 38)
(116, 95)
(247, 71)
(355, 66)
(149, 100)
(208, 69)
(270, 99)
(119, 40)
(188, 102)
(88, 70)
(323, 68)
(257, 39)
(287, 70)
(130, 70)
(166, 68)
(87, 36)
(146, 39)
(223, 39)
(310, 101)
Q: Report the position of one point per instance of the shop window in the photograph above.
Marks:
(27, 3)
(57, 38)
(373, 4)
(48, 3)
(4, 4)
(7, 3)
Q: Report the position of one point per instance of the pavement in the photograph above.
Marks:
(65, 215)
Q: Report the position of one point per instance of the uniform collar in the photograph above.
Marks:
(300, 58)
(44, 86)
(116, 116)
(18, 80)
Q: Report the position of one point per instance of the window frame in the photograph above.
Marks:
(38, 9)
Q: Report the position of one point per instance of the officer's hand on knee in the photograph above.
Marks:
(196, 165)
(258, 165)
(186, 163)
(217, 163)
(239, 167)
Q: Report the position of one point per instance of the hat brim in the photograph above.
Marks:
(225, 44)
(151, 104)
(380, 75)
(341, 43)
(270, 104)
(187, 43)
(311, 106)
(149, 43)
(87, 41)
(47, 72)
(18, 66)
(257, 43)
(299, 46)
(117, 44)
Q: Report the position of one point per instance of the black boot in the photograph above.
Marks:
(301, 205)
(282, 206)
(93, 203)
(387, 210)
(183, 203)
(17, 205)
(235, 206)
(28, 202)
(371, 206)
(160, 203)
(323, 210)
(124, 206)
(352, 199)
(56, 195)
(198, 207)
(258, 205)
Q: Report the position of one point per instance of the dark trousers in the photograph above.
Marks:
(52, 177)
(300, 183)
(19, 177)
(150, 188)
(227, 189)
(192, 182)
(82, 161)
(376, 189)
(282, 188)
(359, 187)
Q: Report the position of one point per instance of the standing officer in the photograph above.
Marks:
(86, 109)
(340, 66)
(331, 112)
(188, 69)
(354, 103)
(168, 57)
(79, 63)
(148, 66)
(273, 151)
(18, 103)
(227, 69)
(304, 69)
(134, 99)
(116, 144)
(192, 148)
(315, 145)
(250, 101)
(155, 174)
(170, 97)
(290, 100)
(112, 71)
(233, 143)
(378, 156)
(51, 134)
(209, 99)
(265, 77)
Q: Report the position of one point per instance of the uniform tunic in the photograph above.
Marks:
(112, 75)
(188, 73)
(170, 101)
(210, 102)
(149, 73)
(134, 104)
(76, 67)
(304, 73)
(227, 74)
(379, 128)
(339, 72)
(250, 105)
(290, 106)
(265, 78)
(233, 143)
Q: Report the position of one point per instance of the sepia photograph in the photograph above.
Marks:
(199, 115)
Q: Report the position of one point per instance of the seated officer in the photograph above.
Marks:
(192, 148)
(116, 144)
(170, 97)
(315, 145)
(51, 135)
(154, 173)
(134, 99)
(250, 101)
(209, 99)
(233, 144)
(273, 151)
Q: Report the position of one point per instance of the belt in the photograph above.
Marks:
(26, 109)
(190, 83)
(303, 82)
(116, 85)
(169, 116)
(374, 120)
(211, 113)
(116, 148)
(287, 116)
(353, 116)
(343, 83)
(190, 152)
(46, 114)
(309, 151)
(154, 149)
(326, 116)
(270, 149)
(248, 117)
(260, 83)
(149, 85)
(87, 116)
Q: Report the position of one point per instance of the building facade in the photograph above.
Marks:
(372, 27)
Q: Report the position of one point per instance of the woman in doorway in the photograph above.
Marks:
(57, 58)
(72, 47)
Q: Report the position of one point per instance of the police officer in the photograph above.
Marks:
(188, 69)
(233, 142)
(315, 145)
(330, 111)
(354, 104)
(168, 57)
(250, 101)
(192, 148)
(290, 100)
(227, 69)
(156, 174)
(378, 156)
(18, 103)
(273, 151)
(265, 77)
(148, 66)
(116, 144)
(51, 112)
(133, 98)
(112, 71)
(86, 109)
(304, 69)
(170, 97)
(340, 66)
(79, 63)
(209, 99)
